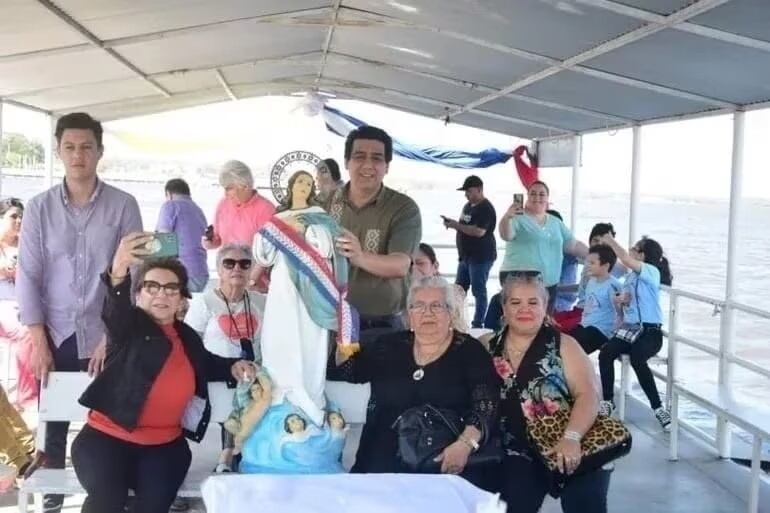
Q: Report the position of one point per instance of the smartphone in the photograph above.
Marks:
(518, 200)
(209, 233)
(163, 245)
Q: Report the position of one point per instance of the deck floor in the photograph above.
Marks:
(643, 482)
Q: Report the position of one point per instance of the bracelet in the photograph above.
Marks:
(572, 435)
(473, 444)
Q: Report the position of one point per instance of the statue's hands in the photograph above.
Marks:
(295, 223)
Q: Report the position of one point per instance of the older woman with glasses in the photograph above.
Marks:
(152, 393)
(431, 364)
(537, 240)
(228, 319)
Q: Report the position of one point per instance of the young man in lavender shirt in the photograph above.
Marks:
(68, 237)
(181, 215)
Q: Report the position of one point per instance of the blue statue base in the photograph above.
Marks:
(286, 442)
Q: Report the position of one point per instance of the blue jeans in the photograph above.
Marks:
(475, 276)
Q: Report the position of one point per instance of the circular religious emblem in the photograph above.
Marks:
(286, 166)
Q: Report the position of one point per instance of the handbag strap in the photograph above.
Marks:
(446, 421)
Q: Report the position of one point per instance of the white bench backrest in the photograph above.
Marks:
(59, 400)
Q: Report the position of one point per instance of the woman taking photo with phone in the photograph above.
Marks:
(153, 391)
(536, 240)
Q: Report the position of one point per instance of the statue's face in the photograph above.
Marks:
(295, 424)
(302, 187)
(336, 421)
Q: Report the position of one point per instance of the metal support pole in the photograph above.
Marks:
(636, 168)
(1, 145)
(673, 346)
(577, 149)
(727, 325)
(49, 152)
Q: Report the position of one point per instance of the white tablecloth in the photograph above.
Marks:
(344, 493)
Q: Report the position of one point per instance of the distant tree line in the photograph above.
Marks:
(17, 151)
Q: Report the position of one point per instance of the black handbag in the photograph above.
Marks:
(425, 431)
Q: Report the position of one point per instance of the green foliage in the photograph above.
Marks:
(18, 151)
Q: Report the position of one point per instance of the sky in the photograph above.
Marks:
(680, 159)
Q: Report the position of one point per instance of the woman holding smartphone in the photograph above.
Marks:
(536, 240)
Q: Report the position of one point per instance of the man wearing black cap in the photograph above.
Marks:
(476, 244)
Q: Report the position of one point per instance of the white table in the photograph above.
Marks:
(344, 493)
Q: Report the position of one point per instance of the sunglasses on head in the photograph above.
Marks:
(230, 263)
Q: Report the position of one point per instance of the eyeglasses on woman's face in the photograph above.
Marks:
(230, 263)
(153, 288)
(436, 307)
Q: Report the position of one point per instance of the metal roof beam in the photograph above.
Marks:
(448, 105)
(686, 26)
(225, 85)
(289, 17)
(80, 29)
(554, 65)
(22, 105)
(694, 9)
(328, 42)
(465, 84)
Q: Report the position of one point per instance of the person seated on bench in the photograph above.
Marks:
(599, 311)
(152, 393)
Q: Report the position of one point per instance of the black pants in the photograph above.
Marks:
(65, 358)
(644, 347)
(108, 467)
(372, 327)
(589, 338)
(524, 485)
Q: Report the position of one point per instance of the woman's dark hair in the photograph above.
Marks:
(429, 251)
(311, 200)
(80, 121)
(177, 186)
(7, 204)
(334, 169)
(600, 229)
(653, 255)
(371, 133)
(539, 182)
(169, 264)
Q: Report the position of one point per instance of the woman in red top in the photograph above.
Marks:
(153, 392)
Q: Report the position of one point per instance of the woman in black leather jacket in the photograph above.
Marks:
(153, 392)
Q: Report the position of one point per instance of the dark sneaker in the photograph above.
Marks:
(180, 504)
(664, 417)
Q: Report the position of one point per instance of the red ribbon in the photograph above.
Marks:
(528, 173)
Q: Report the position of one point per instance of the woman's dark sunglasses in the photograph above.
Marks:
(243, 263)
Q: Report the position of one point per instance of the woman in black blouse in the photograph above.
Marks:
(432, 364)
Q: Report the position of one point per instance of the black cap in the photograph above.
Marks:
(471, 181)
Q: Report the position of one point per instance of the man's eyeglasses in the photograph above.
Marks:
(435, 307)
(169, 289)
(230, 263)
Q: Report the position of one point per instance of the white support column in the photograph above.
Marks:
(50, 144)
(636, 168)
(1, 139)
(576, 158)
(673, 346)
(727, 328)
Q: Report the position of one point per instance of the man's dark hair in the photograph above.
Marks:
(334, 169)
(177, 186)
(80, 121)
(169, 264)
(605, 254)
(372, 133)
(600, 229)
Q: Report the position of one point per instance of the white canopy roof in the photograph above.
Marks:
(529, 68)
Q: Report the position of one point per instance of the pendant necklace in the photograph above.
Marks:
(420, 372)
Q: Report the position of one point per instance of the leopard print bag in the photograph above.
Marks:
(607, 440)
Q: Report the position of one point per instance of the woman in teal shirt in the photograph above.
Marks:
(536, 240)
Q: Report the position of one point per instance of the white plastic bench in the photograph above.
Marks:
(59, 402)
(750, 418)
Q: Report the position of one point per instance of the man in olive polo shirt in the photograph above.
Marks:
(382, 229)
